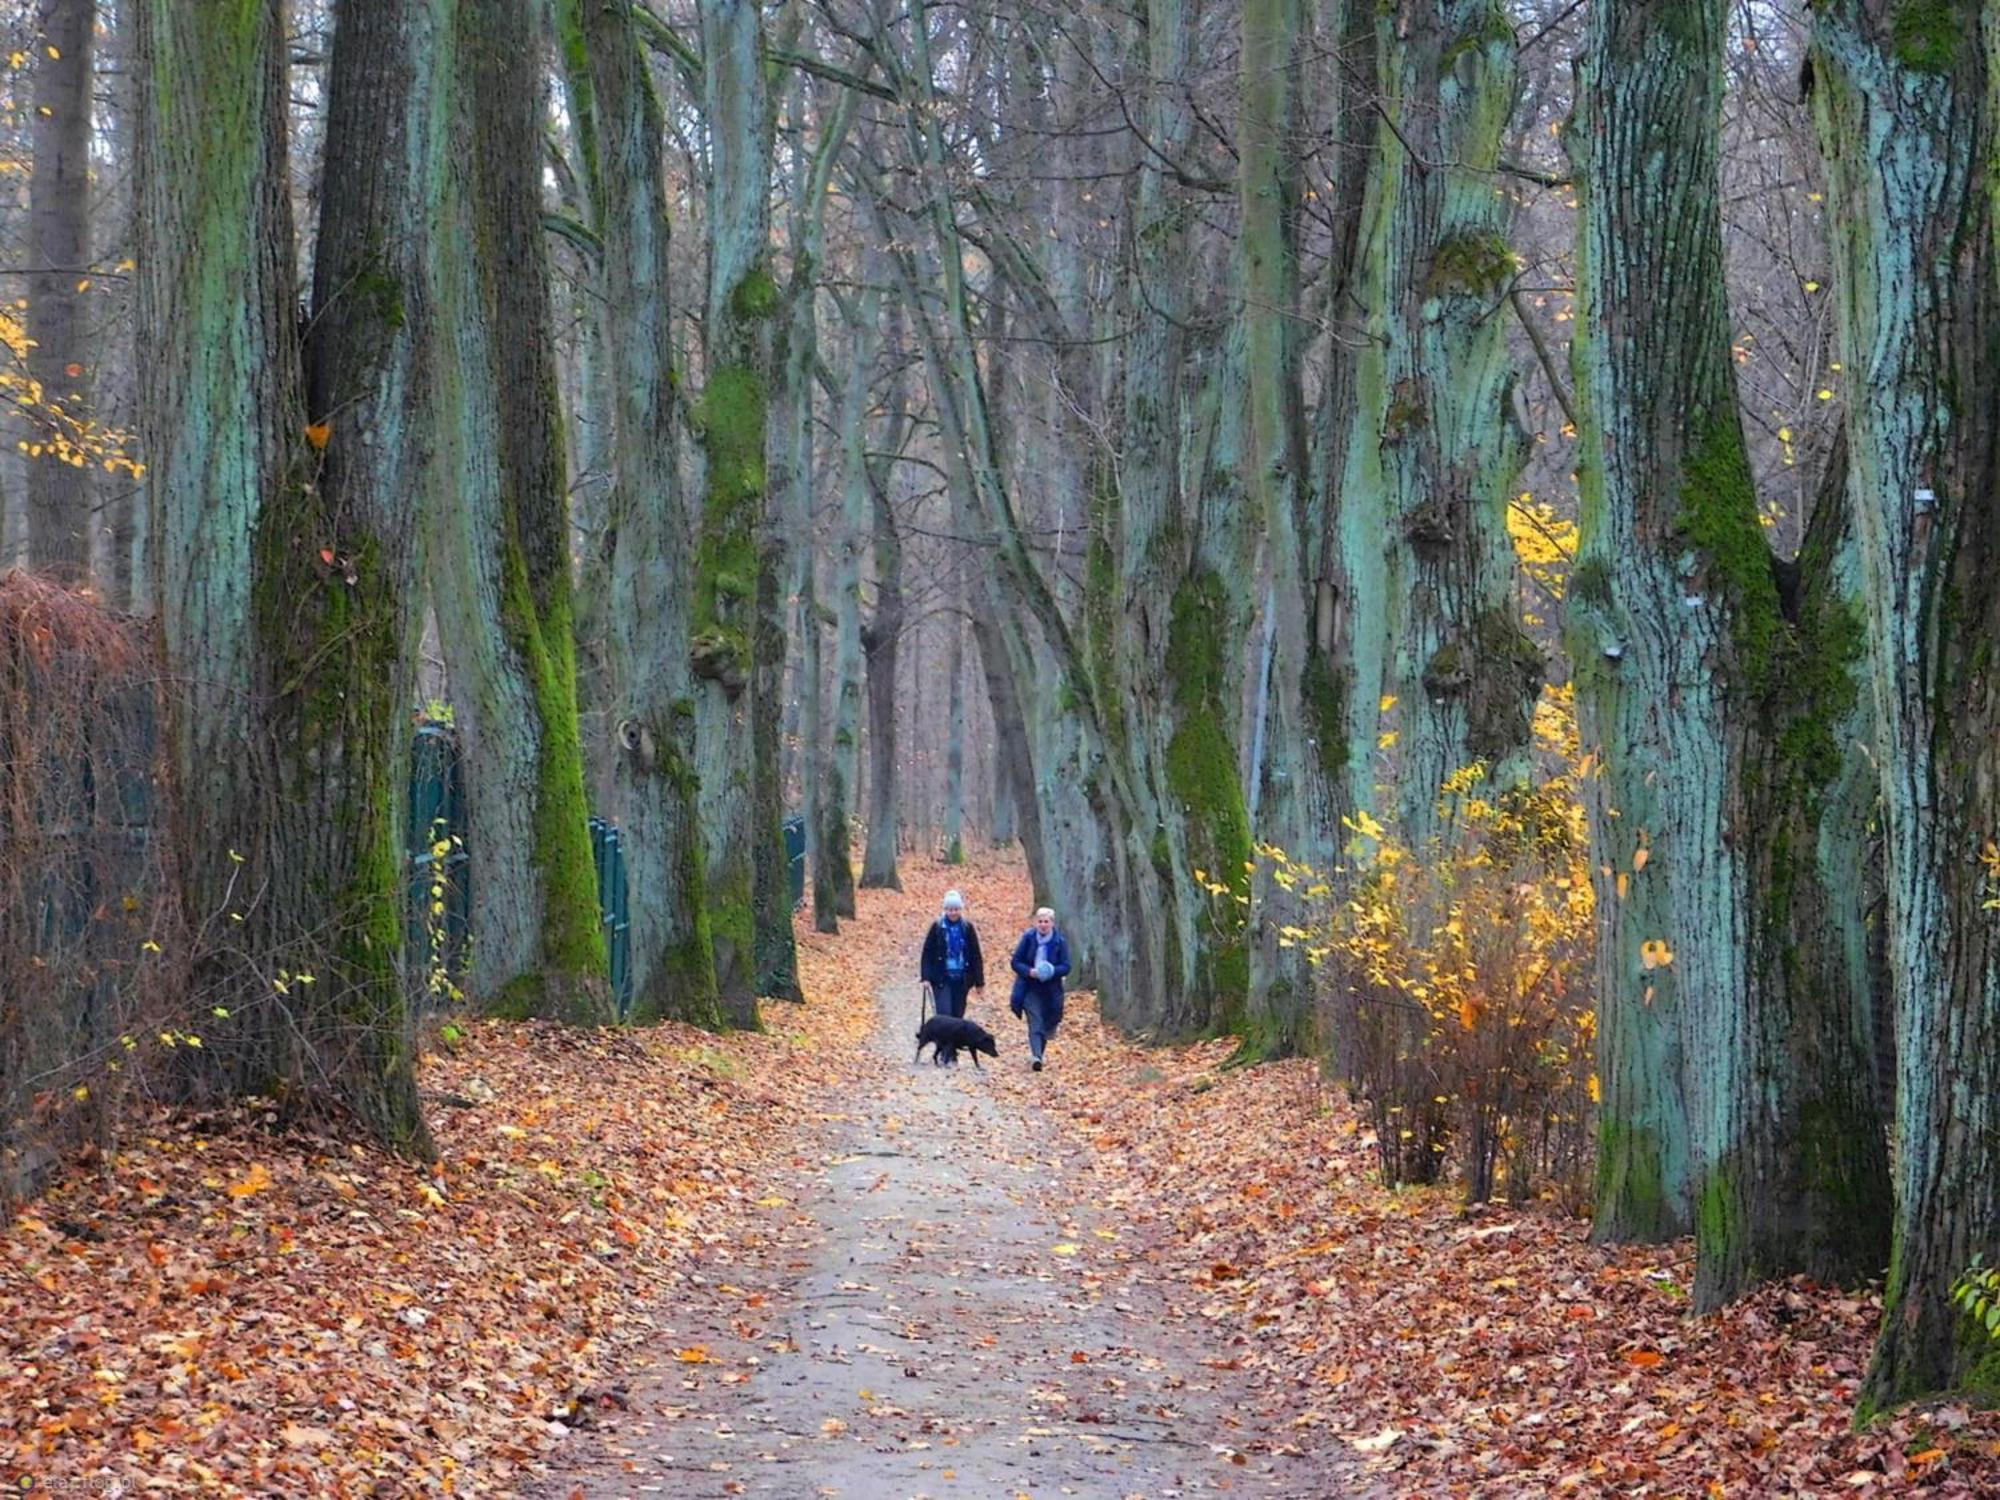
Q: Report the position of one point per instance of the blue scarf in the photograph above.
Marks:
(954, 947)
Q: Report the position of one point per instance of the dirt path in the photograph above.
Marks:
(934, 1318)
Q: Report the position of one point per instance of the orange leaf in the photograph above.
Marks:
(697, 1355)
(318, 433)
(1645, 1359)
(258, 1180)
(1928, 1456)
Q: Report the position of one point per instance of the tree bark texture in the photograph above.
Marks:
(501, 573)
(1671, 605)
(1433, 596)
(649, 537)
(737, 571)
(1904, 100)
(1296, 809)
(287, 551)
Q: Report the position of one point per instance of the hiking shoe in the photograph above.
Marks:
(1038, 1065)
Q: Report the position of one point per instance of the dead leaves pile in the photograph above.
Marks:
(222, 1308)
(1493, 1353)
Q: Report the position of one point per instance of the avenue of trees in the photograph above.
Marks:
(1107, 429)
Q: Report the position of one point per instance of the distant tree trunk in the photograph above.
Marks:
(501, 574)
(833, 876)
(792, 477)
(1904, 99)
(58, 256)
(651, 702)
(1438, 434)
(285, 550)
(954, 751)
(1013, 754)
(737, 626)
(881, 644)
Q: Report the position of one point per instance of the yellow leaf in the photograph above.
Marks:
(696, 1355)
(1064, 1249)
(1596, 1090)
(1639, 858)
(258, 1181)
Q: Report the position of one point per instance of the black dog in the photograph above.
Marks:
(946, 1034)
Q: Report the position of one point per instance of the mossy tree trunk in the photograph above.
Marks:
(58, 257)
(285, 552)
(792, 469)
(500, 569)
(1810, 1178)
(738, 620)
(1437, 428)
(1727, 1064)
(1294, 796)
(650, 539)
(1904, 100)
(1171, 577)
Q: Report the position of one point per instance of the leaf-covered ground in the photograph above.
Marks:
(1496, 1353)
(220, 1308)
(223, 1309)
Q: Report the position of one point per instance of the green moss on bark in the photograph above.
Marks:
(1718, 516)
(1927, 34)
(1202, 779)
(572, 946)
(1474, 260)
(731, 418)
(1631, 1170)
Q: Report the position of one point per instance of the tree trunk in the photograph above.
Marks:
(881, 644)
(954, 751)
(1813, 1161)
(286, 551)
(58, 256)
(618, 119)
(737, 579)
(1438, 430)
(1673, 626)
(501, 579)
(835, 870)
(1296, 809)
(1907, 125)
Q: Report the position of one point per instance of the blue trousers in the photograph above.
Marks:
(948, 995)
(1043, 1019)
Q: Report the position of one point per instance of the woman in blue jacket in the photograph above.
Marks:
(1041, 959)
(952, 964)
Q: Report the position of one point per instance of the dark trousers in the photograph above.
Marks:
(1042, 1023)
(948, 995)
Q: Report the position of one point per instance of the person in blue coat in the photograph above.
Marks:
(952, 964)
(1041, 959)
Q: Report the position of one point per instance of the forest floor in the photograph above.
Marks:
(796, 1264)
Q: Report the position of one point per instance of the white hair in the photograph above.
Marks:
(951, 899)
(1045, 911)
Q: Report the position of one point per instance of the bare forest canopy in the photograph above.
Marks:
(1457, 537)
